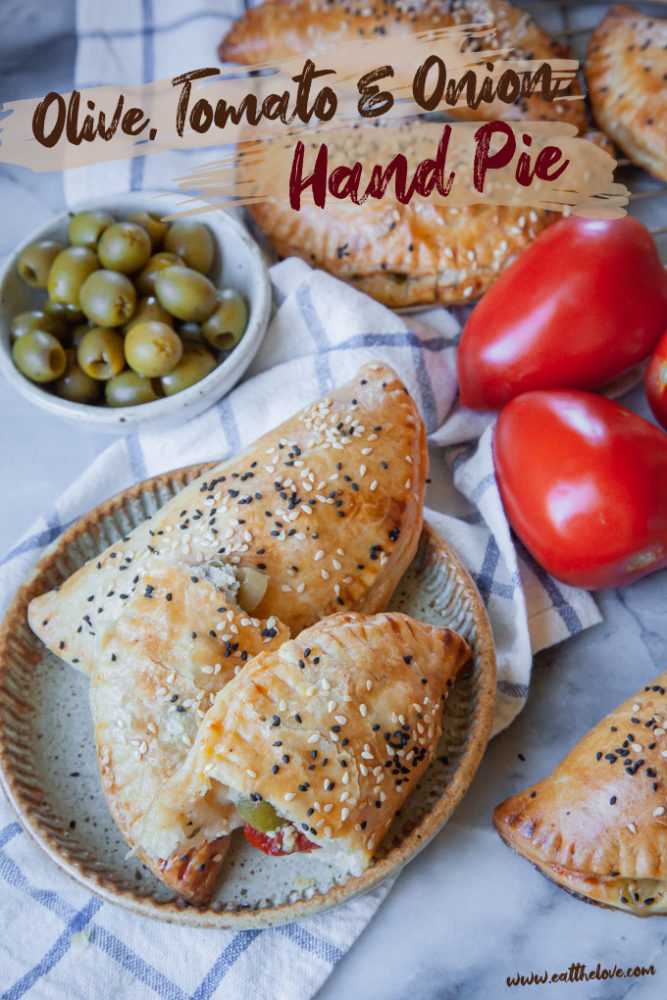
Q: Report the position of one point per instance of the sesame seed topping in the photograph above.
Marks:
(363, 710)
(288, 796)
(250, 773)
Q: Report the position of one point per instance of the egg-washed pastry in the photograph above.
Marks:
(157, 671)
(597, 826)
(626, 72)
(417, 253)
(321, 514)
(315, 745)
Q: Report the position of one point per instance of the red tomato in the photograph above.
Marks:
(274, 845)
(655, 382)
(584, 302)
(584, 485)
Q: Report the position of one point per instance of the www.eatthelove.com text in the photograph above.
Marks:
(579, 973)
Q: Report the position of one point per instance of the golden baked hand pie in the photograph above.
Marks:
(626, 72)
(410, 254)
(157, 671)
(325, 512)
(597, 826)
(321, 740)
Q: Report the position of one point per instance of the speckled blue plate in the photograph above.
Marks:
(48, 761)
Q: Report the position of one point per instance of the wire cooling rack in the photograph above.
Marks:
(572, 23)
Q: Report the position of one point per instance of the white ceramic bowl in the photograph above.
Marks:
(238, 264)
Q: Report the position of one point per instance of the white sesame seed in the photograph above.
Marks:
(328, 807)
(324, 683)
(325, 575)
(636, 707)
(319, 555)
(632, 828)
(314, 738)
(327, 832)
(151, 727)
(373, 486)
(340, 719)
(366, 755)
(362, 710)
(346, 778)
(659, 811)
(637, 747)
(335, 564)
(659, 732)
(344, 813)
(251, 774)
(363, 769)
(369, 685)
(331, 706)
(282, 705)
(326, 785)
(288, 796)
(207, 670)
(144, 747)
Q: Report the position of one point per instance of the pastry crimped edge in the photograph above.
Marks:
(597, 825)
(314, 728)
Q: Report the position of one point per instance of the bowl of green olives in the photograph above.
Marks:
(117, 316)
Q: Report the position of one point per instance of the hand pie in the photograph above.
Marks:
(157, 671)
(597, 825)
(410, 254)
(316, 744)
(322, 513)
(626, 67)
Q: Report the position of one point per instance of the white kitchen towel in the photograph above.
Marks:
(55, 940)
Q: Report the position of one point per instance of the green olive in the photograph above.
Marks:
(185, 293)
(153, 348)
(153, 225)
(75, 385)
(100, 353)
(64, 311)
(35, 261)
(194, 365)
(85, 228)
(192, 241)
(39, 356)
(261, 815)
(145, 280)
(37, 319)
(108, 298)
(129, 389)
(68, 272)
(148, 308)
(124, 247)
(225, 327)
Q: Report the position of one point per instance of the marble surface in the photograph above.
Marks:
(467, 913)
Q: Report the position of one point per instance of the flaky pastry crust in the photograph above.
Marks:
(415, 254)
(626, 72)
(334, 729)
(328, 506)
(597, 825)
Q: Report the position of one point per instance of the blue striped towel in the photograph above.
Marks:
(55, 940)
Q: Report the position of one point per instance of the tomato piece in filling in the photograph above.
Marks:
(274, 844)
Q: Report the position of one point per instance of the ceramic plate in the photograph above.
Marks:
(48, 760)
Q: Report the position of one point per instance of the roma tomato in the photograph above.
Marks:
(584, 485)
(274, 845)
(655, 382)
(584, 302)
